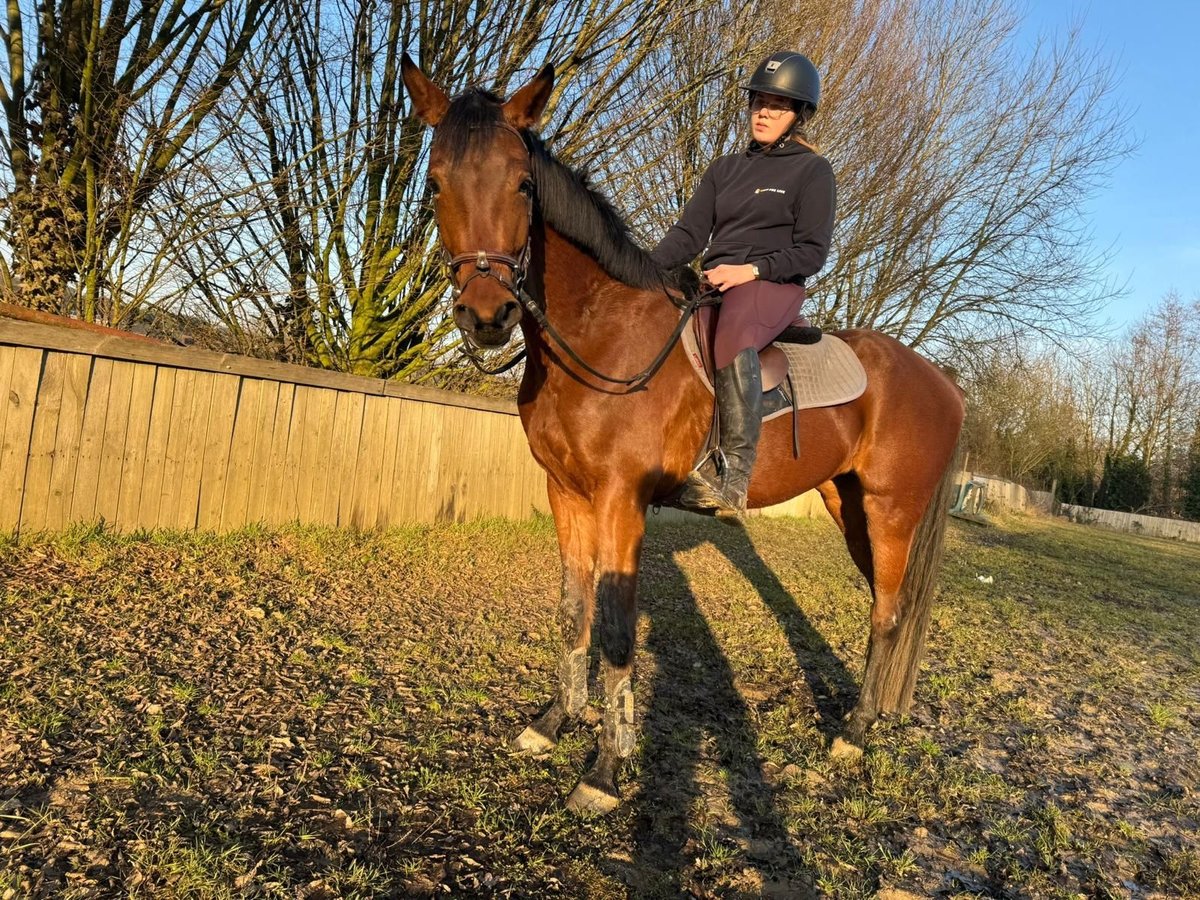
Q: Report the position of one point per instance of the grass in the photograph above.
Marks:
(316, 713)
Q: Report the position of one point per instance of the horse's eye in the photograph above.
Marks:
(431, 186)
(526, 187)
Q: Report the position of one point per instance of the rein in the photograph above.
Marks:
(639, 380)
(518, 266)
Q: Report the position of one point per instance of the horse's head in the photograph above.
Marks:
(482, 187)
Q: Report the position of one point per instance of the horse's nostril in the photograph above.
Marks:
(464, 316)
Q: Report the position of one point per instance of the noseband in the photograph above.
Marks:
(483, 260)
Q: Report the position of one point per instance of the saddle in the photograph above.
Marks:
(802, 369)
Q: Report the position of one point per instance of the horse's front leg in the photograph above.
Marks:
(577, 546)
(620, 527)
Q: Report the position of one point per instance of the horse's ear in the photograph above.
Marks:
(525, 107)
(429, 100)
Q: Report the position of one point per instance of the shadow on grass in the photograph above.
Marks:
(704, 802)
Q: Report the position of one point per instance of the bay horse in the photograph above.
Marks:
(531, 245)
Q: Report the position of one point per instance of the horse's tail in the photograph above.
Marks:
(897, 677)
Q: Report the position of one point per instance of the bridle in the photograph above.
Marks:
(483, 261)
(518, 266)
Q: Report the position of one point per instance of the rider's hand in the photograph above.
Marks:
(725, 277)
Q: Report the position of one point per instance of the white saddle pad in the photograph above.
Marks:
(823, 374)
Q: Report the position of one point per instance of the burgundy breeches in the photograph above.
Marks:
(752, 315)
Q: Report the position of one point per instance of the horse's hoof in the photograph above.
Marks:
(843, 750)
(588, 800)
(532, 741)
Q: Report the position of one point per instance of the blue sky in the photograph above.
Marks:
(1150, 213)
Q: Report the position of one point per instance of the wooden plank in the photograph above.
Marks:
(150, 499)
(450, 486)
(371, 457)
(427, 471)
(284, 410)
(21, 401)
(490, 491)
(387, 471)
(246, 426)
(35, 506)
(91, 443)
(7, 356)
(508, 463)
(316, 439)
(285, 505)
(409, 455)
(188, 502)
(116, 425)
(364, 497)
(493, 494)
(261, 462)
(344, 458)
(70, 340)
(67, 440)
(441, 484)
(177, 442)
(133, 464)
(214, 472)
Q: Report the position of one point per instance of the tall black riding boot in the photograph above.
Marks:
(740, 399)
(739, 391)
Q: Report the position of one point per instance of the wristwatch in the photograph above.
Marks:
(754, 269)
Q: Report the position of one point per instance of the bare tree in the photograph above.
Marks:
(1023, 417)
(327, 245)
(1155, 399)
(962, 164)
(271, 180)
(101, 107)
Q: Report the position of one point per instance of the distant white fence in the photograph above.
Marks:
(1007, 496)
(1153, 526)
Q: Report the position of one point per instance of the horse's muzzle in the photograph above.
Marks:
(493, 332)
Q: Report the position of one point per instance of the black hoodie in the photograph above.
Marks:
(773, 208)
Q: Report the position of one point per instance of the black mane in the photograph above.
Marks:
(567, 202)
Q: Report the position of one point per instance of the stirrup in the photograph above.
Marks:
(698, 495)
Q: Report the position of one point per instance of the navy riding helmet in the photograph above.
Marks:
(787, 74)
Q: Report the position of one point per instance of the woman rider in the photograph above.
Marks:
(766, 217)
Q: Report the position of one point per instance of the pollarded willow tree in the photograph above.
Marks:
(311, 209)
(104, 102)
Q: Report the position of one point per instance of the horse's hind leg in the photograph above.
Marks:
(577, 546)
(891, 523)
(843, 498)
(620, 525)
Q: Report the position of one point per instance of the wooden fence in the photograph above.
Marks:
(1006, 495)
(1133, 523)
(141, 435)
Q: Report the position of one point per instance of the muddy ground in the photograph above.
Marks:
(311, 713)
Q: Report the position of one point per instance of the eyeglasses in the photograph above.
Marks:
(773, 108)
